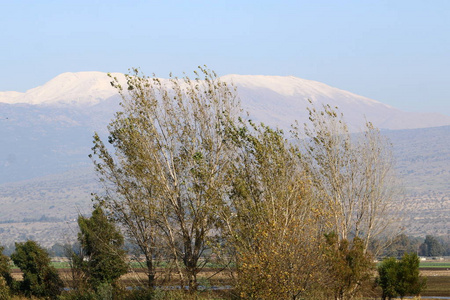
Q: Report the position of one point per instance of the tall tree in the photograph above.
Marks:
(39, 278)
(269, 220)
(167, 176)
(102, 249)
(352, 175)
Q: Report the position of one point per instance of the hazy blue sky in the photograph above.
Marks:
(397, 52)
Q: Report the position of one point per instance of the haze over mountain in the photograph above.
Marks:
(46, 136)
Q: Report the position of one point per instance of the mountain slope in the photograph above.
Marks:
(82, 88)
(281, 100)
(423, 162)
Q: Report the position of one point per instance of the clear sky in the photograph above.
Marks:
(394, 51)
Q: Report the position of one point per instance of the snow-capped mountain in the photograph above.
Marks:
(83, 88)
(48, 129)
(274, 100)
(278, 100)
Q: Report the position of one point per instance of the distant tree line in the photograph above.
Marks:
(430, 246)
(401, 244)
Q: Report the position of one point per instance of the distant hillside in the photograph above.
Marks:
(45, 208)
(423, 157)
(423, 162)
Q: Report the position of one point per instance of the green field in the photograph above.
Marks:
(435, 264)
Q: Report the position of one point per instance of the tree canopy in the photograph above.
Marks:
(189, 178)
(168, 176)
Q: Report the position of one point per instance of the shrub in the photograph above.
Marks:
(39, 278)
(400, 278)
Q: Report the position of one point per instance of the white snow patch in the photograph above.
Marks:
(80, 88)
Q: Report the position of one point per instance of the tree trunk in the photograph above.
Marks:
(150, 270)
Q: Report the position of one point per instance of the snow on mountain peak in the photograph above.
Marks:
(89, 88)
(67, 88)
(291, 86)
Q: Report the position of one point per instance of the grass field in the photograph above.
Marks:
(435, 264)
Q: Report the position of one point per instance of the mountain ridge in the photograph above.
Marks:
(73, 87)
(282, 98)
